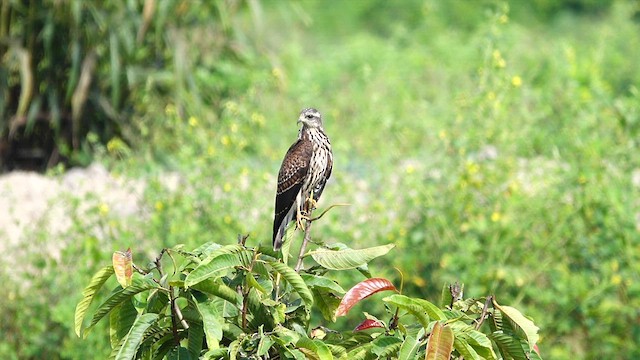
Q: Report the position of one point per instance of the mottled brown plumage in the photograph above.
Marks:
(305, 170)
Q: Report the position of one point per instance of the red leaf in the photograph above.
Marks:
(369, 324)
(362, 290)
(122, 266)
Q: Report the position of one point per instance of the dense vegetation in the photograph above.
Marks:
(236, 302)
(494, 143)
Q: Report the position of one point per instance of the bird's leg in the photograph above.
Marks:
(300, 218)
(310, 204)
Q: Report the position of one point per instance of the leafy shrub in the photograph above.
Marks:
(240, 302)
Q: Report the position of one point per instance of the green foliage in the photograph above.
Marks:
(73, 71)
(272, 318)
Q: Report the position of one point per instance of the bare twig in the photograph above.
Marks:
(242, 239)
(245, 291)
(139, 270)
(174, 323)
(483, 315)
(178, 313)
(305, 242)
(327, 210)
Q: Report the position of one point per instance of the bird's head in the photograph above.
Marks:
(310, 118)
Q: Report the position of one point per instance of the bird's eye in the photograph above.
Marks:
(308, 116)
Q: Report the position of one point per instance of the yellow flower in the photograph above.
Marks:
(418, 281)
(211, 150)
(258, 119)
(226, 187)
(472, 168)
(103, 209)
(496, 216)
(231, 106)
(402, 232)
(491, 95)
(159, 205)
(227, 219)
(226, 140)
(193, 122)
(442, 134)
(410, 169)
(616, 279)
(516, 81)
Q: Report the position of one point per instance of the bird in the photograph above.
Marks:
(304, 172)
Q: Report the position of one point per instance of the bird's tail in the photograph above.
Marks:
(278, 236)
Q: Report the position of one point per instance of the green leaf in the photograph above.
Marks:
(216, 266)
(477, 340)
(294, 279)
(317, 348)
(218, 288)
(320, 282)
(326, 302)
(195, 337)
(286, 336)
(509, 346)
(440, 343)
(234, 349)
(115, 349)
(212, 321)
(466, 350)
(178, 353)
(359, 353)
(117, 298)
(287, 241)
(445, 296)
(409, 348)
(265, 342)
(88, 294)
(348, 258)
(432, 310)
(216, 354)
(338, 351)
(409, 305)
(261, 314)
(134, 337)
(385, 346)
(253, 283)
(121, 319)
(213, 252)
(523, 326)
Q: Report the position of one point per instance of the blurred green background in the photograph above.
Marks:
(495, 143)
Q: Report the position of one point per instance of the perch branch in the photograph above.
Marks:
(305, 242)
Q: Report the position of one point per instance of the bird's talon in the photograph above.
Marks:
(300, 220)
